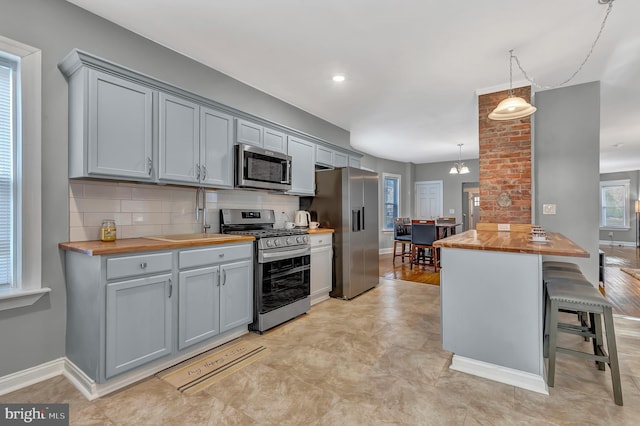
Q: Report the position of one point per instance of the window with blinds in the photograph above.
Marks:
(7, 170)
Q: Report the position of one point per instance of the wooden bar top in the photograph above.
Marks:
(320, 231)
(515, 242)
(133, 245)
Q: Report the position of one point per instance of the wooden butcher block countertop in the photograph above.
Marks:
(515, 242)
(167, 242)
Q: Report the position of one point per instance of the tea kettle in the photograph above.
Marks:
(302, 219)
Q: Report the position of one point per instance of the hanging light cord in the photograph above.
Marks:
(593, 45)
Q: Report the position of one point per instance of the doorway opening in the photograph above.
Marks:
(470, 205)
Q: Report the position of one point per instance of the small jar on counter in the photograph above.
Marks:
(108, 230)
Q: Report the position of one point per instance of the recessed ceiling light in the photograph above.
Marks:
(338, 78)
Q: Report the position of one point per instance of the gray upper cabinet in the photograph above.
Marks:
(111, 127)
(354, 162)
(324, 156)
(216, 148)
(251, 133)
(179, 140)
(302, 154)
(340, 159)
(195, 144)
(275, 140)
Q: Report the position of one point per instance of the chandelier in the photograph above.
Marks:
(459, 168)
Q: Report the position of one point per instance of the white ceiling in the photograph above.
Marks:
(413, 67)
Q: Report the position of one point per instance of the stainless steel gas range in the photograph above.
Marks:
(282, 266)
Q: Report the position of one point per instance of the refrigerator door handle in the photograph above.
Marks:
(363, 218)
(355, 220)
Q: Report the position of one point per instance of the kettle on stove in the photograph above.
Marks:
(302, 219)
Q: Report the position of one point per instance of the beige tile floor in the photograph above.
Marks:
(373, 360)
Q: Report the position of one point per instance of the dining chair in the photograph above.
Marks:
(402, 236)
(422, 237)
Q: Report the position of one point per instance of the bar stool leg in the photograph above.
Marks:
(598, 342)
(613, 356)
(553, 334)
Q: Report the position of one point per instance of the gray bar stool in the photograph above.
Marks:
(581, 298)
(563, 276)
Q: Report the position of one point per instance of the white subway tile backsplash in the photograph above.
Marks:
(144, 210)
(95, 205)
(142, 206)
(95, 219)
(150, 218)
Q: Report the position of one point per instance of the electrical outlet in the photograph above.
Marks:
(610, 233)
(548, 209)
(452, 211)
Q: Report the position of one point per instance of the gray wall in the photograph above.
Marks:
(566, 166)
(628, 236)
(452, 184)
(36, 334)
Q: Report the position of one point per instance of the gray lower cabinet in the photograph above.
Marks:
(195, 144)
(110, 127)
(125, 311)
(215, 292)
(138, 322)
(302, 152)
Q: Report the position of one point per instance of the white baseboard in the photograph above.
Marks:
(87, 386)
(500, 374)
(617, 243)
(30, 376)
(385, 250)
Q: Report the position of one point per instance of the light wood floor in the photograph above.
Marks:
(621, 289)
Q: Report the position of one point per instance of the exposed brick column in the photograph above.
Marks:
(505, 162)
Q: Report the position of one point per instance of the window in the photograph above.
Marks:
(8, 181)
(391, 199)
(20, 149)
(614, 204)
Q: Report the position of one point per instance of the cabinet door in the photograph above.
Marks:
(321, 267)
(216, 148)
(138, 323)
(198, 305)
(275, 141)
(179, 140)
(119, 128)
(324, 156)
(248, 132)
(303, 176)
(340, 159)
(236, 294)
(354, 162)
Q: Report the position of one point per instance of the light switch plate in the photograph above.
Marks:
(452, 211)
(548, 209)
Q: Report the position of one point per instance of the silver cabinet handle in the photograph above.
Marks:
(224, 276)
(149, 165)
(170, 288)
(218, 285)
(197, 172)
(204, 172)
(143, 265)
(221, 255)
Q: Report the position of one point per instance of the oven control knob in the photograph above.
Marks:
(269, 243)
(305, 239)
(276, 242)
(299, 239)
(289, 241)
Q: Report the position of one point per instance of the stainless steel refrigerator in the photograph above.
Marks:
(347, 200)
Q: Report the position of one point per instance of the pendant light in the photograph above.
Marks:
(512, 107)
(459, 168)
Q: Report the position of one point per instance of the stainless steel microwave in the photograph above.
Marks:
(263, 169)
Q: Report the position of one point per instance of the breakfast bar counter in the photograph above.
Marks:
(492, 303)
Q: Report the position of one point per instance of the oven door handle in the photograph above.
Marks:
(279, 255)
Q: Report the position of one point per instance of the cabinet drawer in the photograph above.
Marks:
(131, 266)
(320, 240)
(207, 256)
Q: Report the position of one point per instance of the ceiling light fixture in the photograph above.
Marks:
(514, 107)
(459, 168)
(338, 78)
